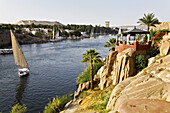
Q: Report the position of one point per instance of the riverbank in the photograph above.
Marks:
(5, 38)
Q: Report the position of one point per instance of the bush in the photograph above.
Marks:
(19, 108)
(140, 62)
(85, 76)
(152, 33)
(152, 52)
(39, 34)
(57, 104)
(158, 36)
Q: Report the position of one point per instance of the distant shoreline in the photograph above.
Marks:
(27, 39)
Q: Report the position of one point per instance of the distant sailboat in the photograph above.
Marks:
(56, 36)
(92, 35)
(19, 57)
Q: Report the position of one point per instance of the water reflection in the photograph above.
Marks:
(20, 88)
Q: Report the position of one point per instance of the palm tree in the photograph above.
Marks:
(91, 56)
(111, 43)
(149, 20)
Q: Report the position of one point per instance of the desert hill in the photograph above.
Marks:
(28, 22)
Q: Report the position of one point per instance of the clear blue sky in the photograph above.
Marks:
(95, 12)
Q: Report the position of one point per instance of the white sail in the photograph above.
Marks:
(92, 32)
(57, 34)
(18, 54)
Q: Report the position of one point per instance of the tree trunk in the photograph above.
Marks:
(147, 28)
(91, 74)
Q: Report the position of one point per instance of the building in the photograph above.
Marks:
(122, 43)
(107, 23)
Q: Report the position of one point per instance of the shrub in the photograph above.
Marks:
(39, 34)
(19, 108)
(162, 31)
(158, 36)
(152, 52)
(140, 62)
(152, 33)
(85, 76)
(57, 104)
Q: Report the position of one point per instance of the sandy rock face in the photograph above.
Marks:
(165, 45)
(145, 106)
(118, 67)
(81, 88)
(151, 83)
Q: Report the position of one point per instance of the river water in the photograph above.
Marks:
(54, 68)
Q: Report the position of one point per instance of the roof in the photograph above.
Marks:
(136, 31)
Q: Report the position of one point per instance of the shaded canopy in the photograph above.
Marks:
(135, 31)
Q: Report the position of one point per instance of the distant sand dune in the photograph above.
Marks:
(28, 22)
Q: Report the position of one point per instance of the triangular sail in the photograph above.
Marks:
(18, 54)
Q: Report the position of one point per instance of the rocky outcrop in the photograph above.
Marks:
(152, 82)
(163, 25)
(145, 106)
(82, 87)
(118, 67)
(165, 45)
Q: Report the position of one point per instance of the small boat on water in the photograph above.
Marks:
(19, 57)
(56, 37)
(6, 51)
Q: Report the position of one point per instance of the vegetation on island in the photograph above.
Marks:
(85, 75)
(57, 104)
(92, 57)
(148, 20)
(54, 106)
(111, 43)
(19, 108)
(95, 100)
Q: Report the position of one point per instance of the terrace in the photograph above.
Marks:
(128, 39)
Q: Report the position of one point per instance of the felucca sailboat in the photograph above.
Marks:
(19, 57)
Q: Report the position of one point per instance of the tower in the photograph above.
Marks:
(107, 23)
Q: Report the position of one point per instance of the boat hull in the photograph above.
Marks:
(6, 51)
(23, 72)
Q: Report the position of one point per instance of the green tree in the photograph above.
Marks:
(32, 25)
(111, 43)
(148, 20)
(91, 56)
(140, 62)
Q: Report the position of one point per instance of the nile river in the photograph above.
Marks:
(54, 68)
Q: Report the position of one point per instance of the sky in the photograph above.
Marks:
(94, 12)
